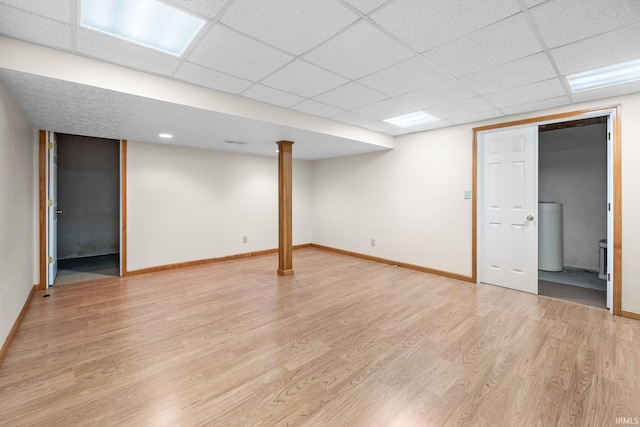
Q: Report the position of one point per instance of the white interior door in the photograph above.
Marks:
(610, 208)
(52, 206)
(508, 208)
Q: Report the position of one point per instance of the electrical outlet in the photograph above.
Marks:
(244, 239)
(373, 242)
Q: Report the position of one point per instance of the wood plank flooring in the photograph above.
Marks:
(345, 341)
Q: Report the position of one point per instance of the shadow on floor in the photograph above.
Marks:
(574, 284)
(89, 268)
(577, 294)
(576, 277)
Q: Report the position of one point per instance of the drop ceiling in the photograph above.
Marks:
(351, 62)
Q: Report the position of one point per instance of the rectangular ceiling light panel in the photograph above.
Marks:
(412, 119)
(606, 76)
(147, 22)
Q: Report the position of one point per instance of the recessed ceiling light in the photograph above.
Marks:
(412, 119)
(165, 135)
(147, 22)
(605, 76)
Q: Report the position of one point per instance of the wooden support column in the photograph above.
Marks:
(285, 248)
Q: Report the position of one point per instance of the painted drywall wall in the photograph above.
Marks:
(572, 165)
(89, 196)
(187, 204)
(410, 201)
(412, 197)
(18, 216)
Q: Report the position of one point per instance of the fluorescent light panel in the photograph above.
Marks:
(412, 119)
(606, 76)
(147, 22)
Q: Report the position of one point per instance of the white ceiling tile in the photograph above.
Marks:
(118, 51)
(54, 9)
(478, 117)
(427, 24)
(531, 69)
(33, 28)
(292, 25)
(304, 79)
(351, 118)
(366, 6)
(616, 46)
(272, 96)
(439, 94)
(566, 21)
(208, 8)
(213, 79)
(531, 3)
(236, 54)
(412, 74)
(317, 108)
(607, 92)
(380, 126)
(503, 42)
(385, 109)
(358, 51)
(464, 107)
(527, 94)
(536, 106)
(488, 48)
(351, 96)
(421, 128)
(398, 132)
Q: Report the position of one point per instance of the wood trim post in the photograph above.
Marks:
(617, 212)
(123, 207)
(285, 246)
(42, 176)
(474, 209)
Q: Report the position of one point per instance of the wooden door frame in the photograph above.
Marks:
(614, 113)
(42, 166)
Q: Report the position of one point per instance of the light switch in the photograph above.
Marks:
(467, 194)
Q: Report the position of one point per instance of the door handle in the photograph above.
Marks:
(530, 218)
(59, 212)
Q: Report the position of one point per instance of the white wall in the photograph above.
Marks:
(573, 171)
(410, 200)
(18, 216)
(187, 204)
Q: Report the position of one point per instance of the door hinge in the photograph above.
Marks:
(609, 136)
(50, 145)
(609, 206)
(50, 203)
(609, 277)
(50, 260)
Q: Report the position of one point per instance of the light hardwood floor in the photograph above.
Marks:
(343, 342)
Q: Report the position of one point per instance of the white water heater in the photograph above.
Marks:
(550, 237)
